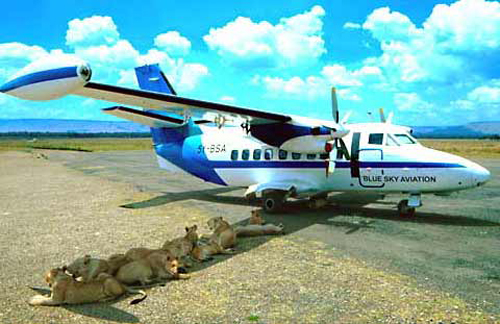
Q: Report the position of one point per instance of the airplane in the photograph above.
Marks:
(275, 156)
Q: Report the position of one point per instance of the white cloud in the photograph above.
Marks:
(351, 25)
(190, 74)
(293, 41)
(296, 87)
(173, 43)
(338, 75)
(486, 94)
(411, 102)
(228, 99)
(92, 31)
(457, 40)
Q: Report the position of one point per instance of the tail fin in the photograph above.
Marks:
(150, 77)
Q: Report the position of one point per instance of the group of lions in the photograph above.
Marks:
(89, 279)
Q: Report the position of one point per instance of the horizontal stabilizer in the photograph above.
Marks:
(143, 117)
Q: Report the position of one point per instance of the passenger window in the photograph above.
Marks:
(268, 154)
(376, 139)
(256, 154)
(234, 155)
(282, 154)
(245, 154)
(296, 156)
(311, 156)
(324, 156)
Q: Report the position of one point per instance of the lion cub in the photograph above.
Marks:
(88, 268)
(67, 290)
(255, 218)
(157, 264)
(182, 246)
(203, 252)
(223, 233)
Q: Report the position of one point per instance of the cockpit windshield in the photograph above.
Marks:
(405, 139)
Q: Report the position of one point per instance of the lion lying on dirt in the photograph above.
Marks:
(223, 233)
(255, 218)
(182, 246)
(203, 251)
(88, 268)
(67, 290)
(154, 264)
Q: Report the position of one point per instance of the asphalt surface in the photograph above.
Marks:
(452, 243)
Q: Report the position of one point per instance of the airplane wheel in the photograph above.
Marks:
(272, 202)
(404, 210)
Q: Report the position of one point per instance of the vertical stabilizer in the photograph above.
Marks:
(151, 78)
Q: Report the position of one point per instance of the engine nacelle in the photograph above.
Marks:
(49, 78)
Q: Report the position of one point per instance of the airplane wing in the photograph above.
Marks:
(177, 105)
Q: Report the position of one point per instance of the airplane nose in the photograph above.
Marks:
(480, 175)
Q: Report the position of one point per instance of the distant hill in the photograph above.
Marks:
(69, 126)
(472, 130)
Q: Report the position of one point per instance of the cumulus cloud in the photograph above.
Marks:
(487, 93)
(351, 25)
(95, 30)
(460, 39)
(293, 41)
(411, 102)
(173, 43)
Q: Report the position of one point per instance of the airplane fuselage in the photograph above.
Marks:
(229, 156)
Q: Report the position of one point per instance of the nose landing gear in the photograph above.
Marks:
(406, 207)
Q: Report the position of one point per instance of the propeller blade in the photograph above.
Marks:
(346, 117)
(335, 110)
(389, 119)
(382, 116)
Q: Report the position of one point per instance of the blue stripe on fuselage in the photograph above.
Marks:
(36, 77)
(321, 164)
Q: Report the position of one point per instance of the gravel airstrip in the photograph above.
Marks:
(346, 263)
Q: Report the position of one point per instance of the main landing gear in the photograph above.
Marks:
(406, 207)
(273, 200)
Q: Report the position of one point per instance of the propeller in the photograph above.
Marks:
(384, 120)
(335, 108)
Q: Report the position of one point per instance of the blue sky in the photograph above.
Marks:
(432, 63)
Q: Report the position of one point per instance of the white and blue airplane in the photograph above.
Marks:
(276, 156)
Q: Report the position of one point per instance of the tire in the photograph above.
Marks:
(272, 202)
(404, 210)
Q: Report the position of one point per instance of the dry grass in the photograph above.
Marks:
(78, 144)
(469, 148)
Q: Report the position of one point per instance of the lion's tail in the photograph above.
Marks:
(136, 291)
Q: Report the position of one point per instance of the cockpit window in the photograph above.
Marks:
(404, 139)
(390, 141)
(376, 138)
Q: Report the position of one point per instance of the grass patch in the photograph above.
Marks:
(78, 144)
(468, 148)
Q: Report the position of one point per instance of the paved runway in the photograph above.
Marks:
(453, 243)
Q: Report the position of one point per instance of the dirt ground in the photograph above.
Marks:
(354, 261)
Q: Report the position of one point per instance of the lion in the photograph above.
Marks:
(223, 233)
(88, 268)
(255, 218)
(182, 246)
(67, 290)
(257, 230)
(157, 264)
(203, 252)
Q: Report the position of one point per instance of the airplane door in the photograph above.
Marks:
(371, 173)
